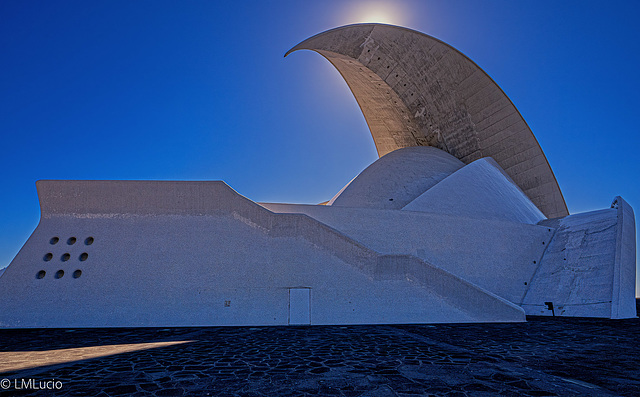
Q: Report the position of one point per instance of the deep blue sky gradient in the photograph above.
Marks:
(199, 90)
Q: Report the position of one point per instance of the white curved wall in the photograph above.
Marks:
(397, 178)
(479, 190)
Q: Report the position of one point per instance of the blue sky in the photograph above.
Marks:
(199, 90)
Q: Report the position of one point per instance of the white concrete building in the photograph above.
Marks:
(460, 220)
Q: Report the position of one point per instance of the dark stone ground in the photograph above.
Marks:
(543, 357)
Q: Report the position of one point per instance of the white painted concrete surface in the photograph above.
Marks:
(479, 190)
(299, 306)
(473, 249)
(150, 253)
(589, 268)
(624, 274)
(197, 253)
(398, 178)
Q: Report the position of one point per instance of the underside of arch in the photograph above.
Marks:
(415, 90)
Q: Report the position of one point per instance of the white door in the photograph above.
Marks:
(299, 306)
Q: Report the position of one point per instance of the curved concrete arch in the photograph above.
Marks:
(415, 90)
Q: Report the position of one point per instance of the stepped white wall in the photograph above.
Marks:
(197, 253)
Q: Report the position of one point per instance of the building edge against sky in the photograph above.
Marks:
(449, 225)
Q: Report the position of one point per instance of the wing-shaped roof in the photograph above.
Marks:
(415, 90)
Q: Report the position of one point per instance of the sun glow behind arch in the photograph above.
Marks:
(388, 12)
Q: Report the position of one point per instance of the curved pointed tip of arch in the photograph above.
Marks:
(307, 44)
(290, 51)
(299, 46)
(459, 109)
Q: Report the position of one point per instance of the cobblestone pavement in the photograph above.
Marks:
(543, 357)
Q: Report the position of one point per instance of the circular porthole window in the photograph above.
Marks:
(71, 241)
(40, 274)
(83, 256)
(48, 257)
(59, 274)
(88, 241)
(54, 240)
(65, 257)
(77, 273)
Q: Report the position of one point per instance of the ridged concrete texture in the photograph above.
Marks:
(415, 90)
(589, 268)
